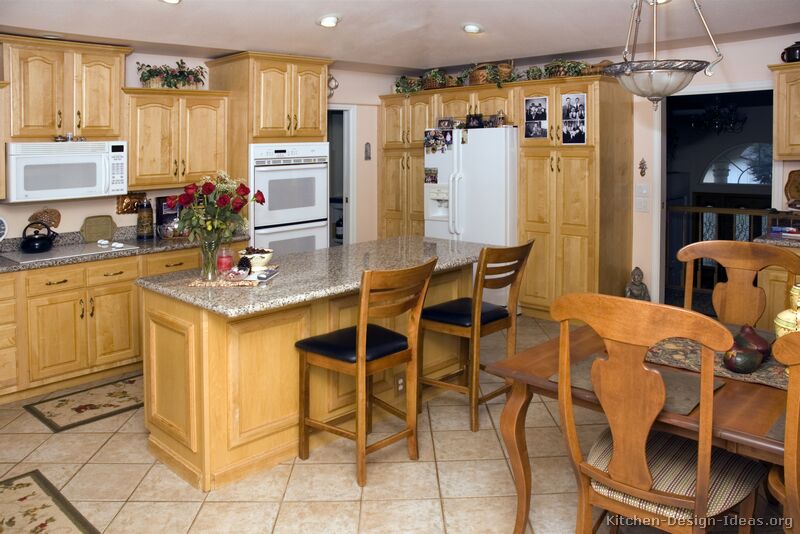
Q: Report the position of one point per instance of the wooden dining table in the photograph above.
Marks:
(744, 412)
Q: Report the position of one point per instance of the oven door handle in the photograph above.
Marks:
(291, 167)
(286, 227)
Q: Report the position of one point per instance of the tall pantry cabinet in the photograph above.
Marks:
(575, 199)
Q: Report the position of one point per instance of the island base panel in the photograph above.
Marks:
(221, 395)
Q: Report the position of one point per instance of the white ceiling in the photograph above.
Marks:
(412, 34)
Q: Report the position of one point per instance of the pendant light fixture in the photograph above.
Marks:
(657, 78)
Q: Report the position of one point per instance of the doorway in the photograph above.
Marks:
(341, 174)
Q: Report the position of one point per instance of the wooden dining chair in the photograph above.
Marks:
(784, 482)
(631, 470)
(739, 300)
(471, 318)
(366, 349)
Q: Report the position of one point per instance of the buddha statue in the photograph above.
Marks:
(636, 289)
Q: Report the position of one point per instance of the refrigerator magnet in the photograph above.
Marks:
(431, 175)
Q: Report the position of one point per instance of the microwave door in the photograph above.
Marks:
(57, 177)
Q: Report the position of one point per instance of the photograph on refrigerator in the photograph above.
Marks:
(536, 117)
(431, 175)
(573, 115)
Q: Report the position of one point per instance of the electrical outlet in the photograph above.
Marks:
(399, 383)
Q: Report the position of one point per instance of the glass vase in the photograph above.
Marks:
(209, 245)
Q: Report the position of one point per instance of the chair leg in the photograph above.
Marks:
(474, 376)
(584, 519)
(420, 374)
(361, 427)
(411, 408)
(747, 510)
(304, 402)
(369, 404)
(463, 359)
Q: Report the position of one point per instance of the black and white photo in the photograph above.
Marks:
(536, 122)
(445, 123)
(573, 115)
(475, 121)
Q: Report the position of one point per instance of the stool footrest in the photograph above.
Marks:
(389, 440)
(444, 385)
(388, 407)
(455, 374)
(319, 425)
(496, 393)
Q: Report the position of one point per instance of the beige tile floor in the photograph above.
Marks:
(461, 484)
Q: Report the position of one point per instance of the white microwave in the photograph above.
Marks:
(60, 171)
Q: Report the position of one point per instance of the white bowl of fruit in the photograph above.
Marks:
(258, 257)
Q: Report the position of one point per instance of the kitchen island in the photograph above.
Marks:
(221, 369)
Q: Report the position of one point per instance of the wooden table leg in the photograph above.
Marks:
(512, 426)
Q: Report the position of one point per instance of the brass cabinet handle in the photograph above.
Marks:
(51, 283)
(289, 125)
(117, 273)
(551, 132)
(551, 164)
(173, 264)
(183, 172)
(78, 125)
(83, 309)
(408, 136)
(175, 172)
(558, 164)
(295, 122)
(58, 119)
(403, 137)
(403, 162)
(558, 131)
(91, 307)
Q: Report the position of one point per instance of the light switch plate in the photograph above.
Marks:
(641, 205)
(642, 189)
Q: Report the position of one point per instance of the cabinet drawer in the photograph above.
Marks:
(169, 262)
(59, 279)
(8, 336)
(8, 367)
(108, 272)
(6, 287)
(8, 311)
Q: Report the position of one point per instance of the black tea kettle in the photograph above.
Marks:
(37, 241)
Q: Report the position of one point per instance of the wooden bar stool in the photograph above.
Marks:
(471, 319)
(366, 349)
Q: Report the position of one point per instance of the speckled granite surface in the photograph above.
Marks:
(73, 247)
(779, 241)
(307, 276)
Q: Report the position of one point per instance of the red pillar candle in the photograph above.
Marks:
(224, 260)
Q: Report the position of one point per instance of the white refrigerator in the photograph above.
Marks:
(471, 188)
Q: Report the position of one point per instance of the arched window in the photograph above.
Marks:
(747, 164)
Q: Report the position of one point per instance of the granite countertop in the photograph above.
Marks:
(307, 276)
(779, 241)
(145, 247)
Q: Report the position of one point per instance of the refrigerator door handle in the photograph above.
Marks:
(451, 204)
(458, 228)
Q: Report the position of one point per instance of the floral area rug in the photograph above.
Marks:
(81, 407)
(30, 503)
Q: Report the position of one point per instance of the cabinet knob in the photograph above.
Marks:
(558, 164)
(295, 122)
(175, 172)
(83, 309)
(289, 123)
(183, 172)
(551, 164)
(91, 307)
(551, 132)
(558, 132)
(116, 273)
(55, 283)
(58, 119)
(173, 264)
(78, 123)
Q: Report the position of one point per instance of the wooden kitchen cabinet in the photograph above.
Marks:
(113, 323)
(9, 331)
(404, 120)
(4, 134)
(401, 187)
(59, 87)
(57, 331)
(786, 111)
(175, 136)
(272, 98)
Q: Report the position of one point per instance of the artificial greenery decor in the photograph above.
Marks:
(405, 85)
(172, 77)
(564, 67)
(463, 76)
(434, 79)
(494, 76)
(534, 73)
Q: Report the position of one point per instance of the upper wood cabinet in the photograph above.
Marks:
(404, 120)
(786, 111)
(272, 97)
(175, 136)
(4, 133)
(59, 87)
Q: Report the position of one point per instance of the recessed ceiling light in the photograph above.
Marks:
(171, 1)
(329, 21)
(473, 27)
(51, 36)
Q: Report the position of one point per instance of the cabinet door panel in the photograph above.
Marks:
(273, 99)
(113, 323)
(457, 105)
(310, 101)
(538, 116)
(415, 179)
(203, 147)
(787, 115)
(420, 116)
(490, 101)
(393, 122)
(537, 286)
(154, 140)
(536, 184)
(580, 116)
(392, 193)
(57, 334)
(97, 94)
(572, 265)
(37, 90)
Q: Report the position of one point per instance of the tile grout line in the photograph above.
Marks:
(436, 466)
(283, 494)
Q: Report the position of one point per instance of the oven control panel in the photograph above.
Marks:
(288, 153)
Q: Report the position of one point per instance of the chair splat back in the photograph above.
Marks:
(631, 394)
(787, 351)
(499, 268)
(738, 301)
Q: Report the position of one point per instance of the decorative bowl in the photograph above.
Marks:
(258, 262)
(785, 322)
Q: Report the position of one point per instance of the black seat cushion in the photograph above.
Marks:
(459, 312)
(341, 344)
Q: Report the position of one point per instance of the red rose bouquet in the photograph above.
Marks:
(211, 211)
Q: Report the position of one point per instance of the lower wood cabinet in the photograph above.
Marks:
(402, 208)
(57, 326)
(113, 323)
(8, 331)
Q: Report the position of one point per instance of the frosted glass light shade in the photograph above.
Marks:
(655, 80)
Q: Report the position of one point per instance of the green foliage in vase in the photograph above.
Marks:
(172, 77)
(436, 75)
